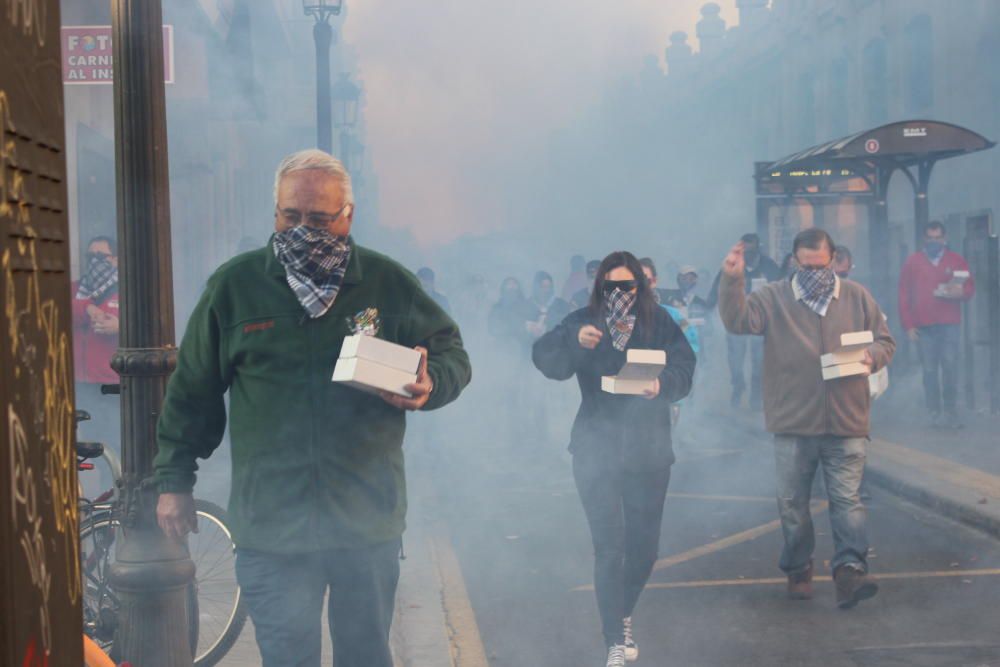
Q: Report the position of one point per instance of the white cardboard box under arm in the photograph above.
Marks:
(371, 376)
(380, 351)
(639, 373)
(878, 382)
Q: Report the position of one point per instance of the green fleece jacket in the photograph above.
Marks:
(315, 465)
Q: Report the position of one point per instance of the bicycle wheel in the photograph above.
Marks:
(221, 612)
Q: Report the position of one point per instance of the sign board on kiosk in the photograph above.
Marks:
(87, 56)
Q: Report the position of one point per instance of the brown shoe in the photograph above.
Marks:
(800, 584)
(853, 586)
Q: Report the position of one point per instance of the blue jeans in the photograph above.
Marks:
(842, 461)
(939, 349)
(284, 595)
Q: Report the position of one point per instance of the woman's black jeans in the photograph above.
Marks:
(624, 510)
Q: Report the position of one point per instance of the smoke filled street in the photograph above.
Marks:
(540, 333)
(716, 596)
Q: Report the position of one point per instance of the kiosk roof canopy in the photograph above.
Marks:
(898, 144)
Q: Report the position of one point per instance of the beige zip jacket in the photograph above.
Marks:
(797, 401)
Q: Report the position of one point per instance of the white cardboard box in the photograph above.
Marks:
(846, 360)
(639, 373)
(844, 370)
(957, 278)
(878, 382)
(856, 339)
(371, 376)
(842, 357)
(615, 385)
(382, 352)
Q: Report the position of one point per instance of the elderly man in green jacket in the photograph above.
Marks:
(318, 494)
(816, 423)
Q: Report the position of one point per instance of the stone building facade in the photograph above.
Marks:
(796, 73)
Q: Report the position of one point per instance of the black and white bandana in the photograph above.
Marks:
(315, 262)
(620, 321)
(817, 287)
(99, 280)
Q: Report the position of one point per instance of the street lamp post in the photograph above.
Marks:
(322, 10)
(346, 96)
(151, 574)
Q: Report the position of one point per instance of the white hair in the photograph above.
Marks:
(313, 158)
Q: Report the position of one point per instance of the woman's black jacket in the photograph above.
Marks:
(632, 431)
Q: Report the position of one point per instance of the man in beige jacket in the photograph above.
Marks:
(816, 423)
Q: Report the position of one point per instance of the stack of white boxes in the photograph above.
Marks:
(639, 373)
(847, 360)
(958, 279)
(372, 365)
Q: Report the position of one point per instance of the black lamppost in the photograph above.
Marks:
(356, 156)
(151, 574)
(322, 10)
(346, 96)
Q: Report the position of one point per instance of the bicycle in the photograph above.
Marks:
(216, 611)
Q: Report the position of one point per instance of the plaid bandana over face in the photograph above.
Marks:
(315, 262)
(620, 322)
(101, 277)
(817, 287)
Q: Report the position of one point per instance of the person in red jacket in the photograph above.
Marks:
(932, 286)
(95, 340)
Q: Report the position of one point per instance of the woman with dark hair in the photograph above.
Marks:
(620, 444)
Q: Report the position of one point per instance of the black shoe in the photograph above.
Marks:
(853, 586)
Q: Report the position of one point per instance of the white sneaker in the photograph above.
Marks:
(631, 650)
(616, 656)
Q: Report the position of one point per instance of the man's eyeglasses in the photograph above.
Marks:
(624, 285)
(294, 218)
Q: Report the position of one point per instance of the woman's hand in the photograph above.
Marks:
(589, 336)
(650, 394)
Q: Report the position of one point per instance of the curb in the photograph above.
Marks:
(976, 505)
(961, 512)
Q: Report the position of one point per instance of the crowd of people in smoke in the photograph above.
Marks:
(783, 317)
(514, 317)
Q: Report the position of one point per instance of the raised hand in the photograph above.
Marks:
(734, 263)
